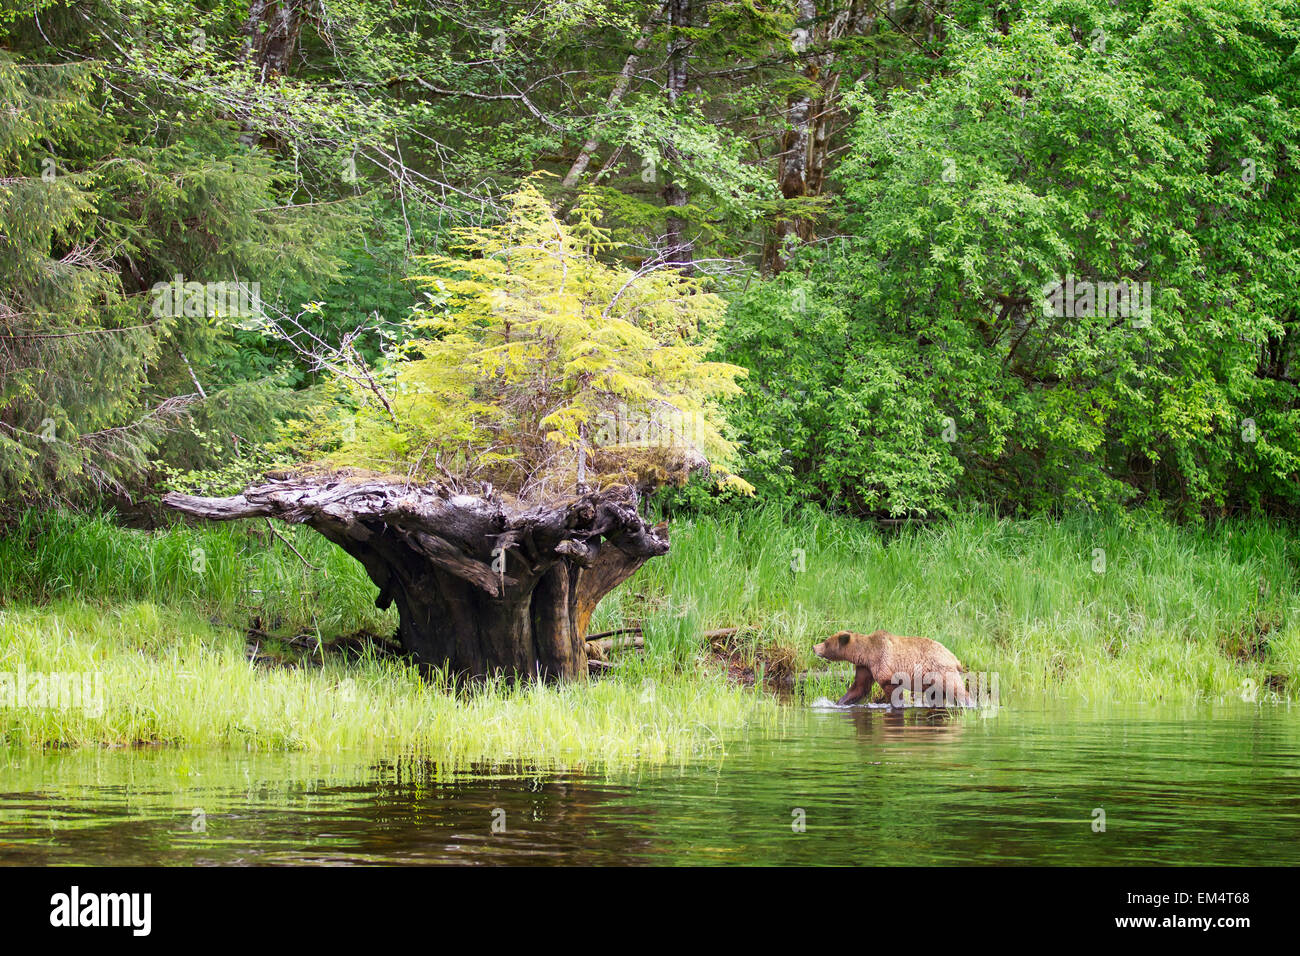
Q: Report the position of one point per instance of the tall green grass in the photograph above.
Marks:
(1177, 613)
(170, 677)
(233, 572)
(1170, 616)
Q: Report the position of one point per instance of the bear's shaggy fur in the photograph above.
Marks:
(925, 667)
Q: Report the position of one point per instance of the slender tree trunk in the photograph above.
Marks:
(678, 249)
(480, 587)
(805, 146)
(271, 31)
(792, 160)
(615, 96)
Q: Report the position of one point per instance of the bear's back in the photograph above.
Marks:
(903, 654)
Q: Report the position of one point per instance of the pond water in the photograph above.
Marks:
(1199, 784)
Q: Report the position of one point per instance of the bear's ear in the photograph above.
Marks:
(844, 638)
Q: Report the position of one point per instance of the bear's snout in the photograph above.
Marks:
(820, 649)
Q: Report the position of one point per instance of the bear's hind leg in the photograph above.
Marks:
(887, 693)
(955, 692)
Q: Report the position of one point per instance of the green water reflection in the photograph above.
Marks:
(1196, 785)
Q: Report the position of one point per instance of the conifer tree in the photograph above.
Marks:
(539, 366)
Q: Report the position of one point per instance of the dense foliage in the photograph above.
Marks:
(865, 206)
(924, 354)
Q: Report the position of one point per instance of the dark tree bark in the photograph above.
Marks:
(480, 587)
(271, 34)
(805, 146)
(678, 248)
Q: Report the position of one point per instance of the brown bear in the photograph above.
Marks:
(925, 667)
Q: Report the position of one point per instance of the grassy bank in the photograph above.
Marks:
(169, 676)
(1135, 609)
(1175, 613)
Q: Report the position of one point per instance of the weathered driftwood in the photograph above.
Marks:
(481, 587)
(620, 630)
(599, 645)
(615, 643)
(598, 649)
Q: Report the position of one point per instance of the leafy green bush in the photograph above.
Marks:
(918, 358)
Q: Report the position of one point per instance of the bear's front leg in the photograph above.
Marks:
(858, 689)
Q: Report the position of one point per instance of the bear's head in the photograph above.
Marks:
(833, 648)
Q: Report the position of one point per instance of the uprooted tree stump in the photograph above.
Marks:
(481, 587)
